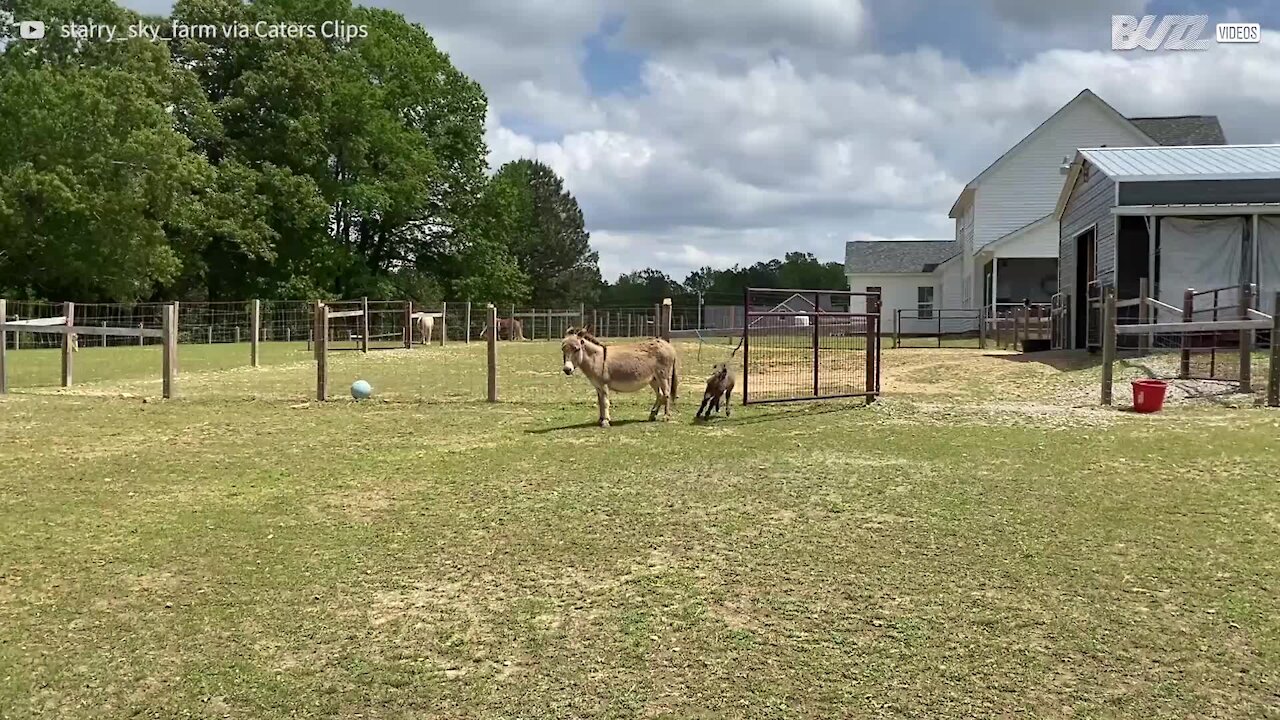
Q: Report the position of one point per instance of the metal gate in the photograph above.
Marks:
(810, 345)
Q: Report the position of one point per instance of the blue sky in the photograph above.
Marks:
(722, 132)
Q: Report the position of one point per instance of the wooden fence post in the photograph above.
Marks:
(1144, 314)
(982, 328)
(255, 328)
(492, 342)
(408, 324)
(364, 324)
(1108, 341)
(897, 327)
(322, 351)
(169, 349)
(1188, 313)
(937, 314)
(1026, 324)
(1019, 327)
(665, 310)
(468, 335)
(104, 337)
(582, 315)
(69, 310)
(1273, 373)
(657, 320)
(315, 329)
(444, 322)
(872, 319)
(4, 347)
(1246, 340)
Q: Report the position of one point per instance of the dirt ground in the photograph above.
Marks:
(969, 377)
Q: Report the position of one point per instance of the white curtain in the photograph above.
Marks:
(1200, 254)
(1269, 265)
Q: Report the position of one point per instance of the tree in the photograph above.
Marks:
(99, 186)
(547, 236)
(386, 129)
(482, 266)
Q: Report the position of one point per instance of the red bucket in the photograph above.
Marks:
(1148, 395)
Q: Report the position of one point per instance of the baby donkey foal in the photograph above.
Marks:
(719, 385)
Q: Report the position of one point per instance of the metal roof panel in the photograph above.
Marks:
(1192, 162)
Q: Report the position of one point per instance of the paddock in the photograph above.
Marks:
(970, 524)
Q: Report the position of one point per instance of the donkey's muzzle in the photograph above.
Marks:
(568, 371)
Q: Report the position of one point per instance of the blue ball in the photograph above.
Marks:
(361, 389)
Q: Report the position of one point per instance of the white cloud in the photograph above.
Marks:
(774, 125)
(876, 147)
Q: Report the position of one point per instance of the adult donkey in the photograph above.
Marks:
(626, 368)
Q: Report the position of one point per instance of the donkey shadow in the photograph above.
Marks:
(590, 424)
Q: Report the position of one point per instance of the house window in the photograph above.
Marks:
(924, 302)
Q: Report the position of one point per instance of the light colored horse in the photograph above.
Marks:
(426, 324)
(626, 368)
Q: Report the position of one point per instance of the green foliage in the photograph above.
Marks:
(235, 168)
(227, 168)
(796, 270)
(96, 177)
(544, 231)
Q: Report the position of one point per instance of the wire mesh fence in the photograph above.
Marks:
(217, 336)
(936, 327)
(809, 345)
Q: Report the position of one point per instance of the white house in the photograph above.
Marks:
(1006, 230)
(909, 276)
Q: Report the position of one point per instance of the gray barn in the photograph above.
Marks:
(1203, 217)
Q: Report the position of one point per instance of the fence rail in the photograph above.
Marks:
(1192, 348)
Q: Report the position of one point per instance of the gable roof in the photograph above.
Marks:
(1182, 129)
(786, 305)
(1084, 96)
(897, 256)
(1018, 232)
(1174, 130)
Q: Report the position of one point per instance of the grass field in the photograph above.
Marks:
(983, 542)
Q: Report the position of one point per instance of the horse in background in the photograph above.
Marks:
(508, 329)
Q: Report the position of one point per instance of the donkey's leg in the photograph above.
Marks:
(664, 386)
(706, 399)
(728, 403)
(657, 399)
(602, 398)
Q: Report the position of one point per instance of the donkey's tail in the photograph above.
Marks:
(674, 378)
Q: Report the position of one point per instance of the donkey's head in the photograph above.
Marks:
(574, 348)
